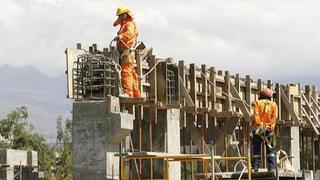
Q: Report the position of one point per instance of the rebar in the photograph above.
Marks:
(94, 77)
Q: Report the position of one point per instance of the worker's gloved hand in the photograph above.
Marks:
(269, 129)
(258, 130)
(116, 38)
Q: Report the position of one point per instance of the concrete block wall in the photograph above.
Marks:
(12, 157)
(98, 128)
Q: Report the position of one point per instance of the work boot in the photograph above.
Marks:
(124, 95)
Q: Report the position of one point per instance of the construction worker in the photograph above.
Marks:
(265, 116)
(126, 41)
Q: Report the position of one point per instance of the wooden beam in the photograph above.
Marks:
(204, 96)
(287, 104)
(228, 102)
(184, 93)
(315, 103)
(278, 100)
(213, 87)
(182, 79)
(310, 108)
(310, 121)
(240, 103)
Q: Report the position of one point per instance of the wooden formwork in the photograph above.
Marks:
(215, 109)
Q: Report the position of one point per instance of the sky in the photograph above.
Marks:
(267, 39)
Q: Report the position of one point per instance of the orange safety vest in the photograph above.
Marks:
(127, 33)
(265, 113)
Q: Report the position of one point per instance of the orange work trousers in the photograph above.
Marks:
(129, 80)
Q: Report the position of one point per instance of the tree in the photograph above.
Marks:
(64, 145)
(15, 135)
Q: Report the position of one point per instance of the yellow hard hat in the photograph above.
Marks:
(122, 10)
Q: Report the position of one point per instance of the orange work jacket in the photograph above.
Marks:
(265, 113)
(127, 33)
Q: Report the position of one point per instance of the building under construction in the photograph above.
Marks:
(192, 121)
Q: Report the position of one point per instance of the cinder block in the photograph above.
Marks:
(32, 158)
(13, 157)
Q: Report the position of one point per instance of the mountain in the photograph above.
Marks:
(45, 97)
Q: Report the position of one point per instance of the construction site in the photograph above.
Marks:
(192, 121)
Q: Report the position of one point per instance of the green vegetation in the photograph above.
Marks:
(54, 160)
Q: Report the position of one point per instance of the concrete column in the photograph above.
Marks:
(295, 148)
(173, 141)
(98, 128)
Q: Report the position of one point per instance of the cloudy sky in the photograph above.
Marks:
(268, 39)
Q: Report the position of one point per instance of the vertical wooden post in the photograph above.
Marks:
(307, 153)
(314, 96)
(318, 152)
(313, 155)
(228, 104)
(183, 114)
(303, 164)
(228, 107)
(269, 84)
(153, 109)
(259, 85)
(248, 101)
(193, 92)
(308, 97)
(139, 109)
(213, 99)
(204, 120)
(139, 69)
(237, 86)
(182, 75)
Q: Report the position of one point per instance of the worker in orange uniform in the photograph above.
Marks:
(126, 41)
(265, 116)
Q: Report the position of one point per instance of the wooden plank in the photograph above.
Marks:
(310, 108)
(237, 86)
(204, 96)
(315, 103)
(269, 84)
(139, 70)
(184, 93)
(153, 94)
(288, 106)
(136, 101)
(228, 104)
(162, 81)
(278, 100)
(182, 78)
(153, 81)
(248, 90)
(259, 85)
(193, 92)
(310, 121)
(240, 103)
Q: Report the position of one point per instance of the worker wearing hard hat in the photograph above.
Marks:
(265, 116)
(126, 41)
